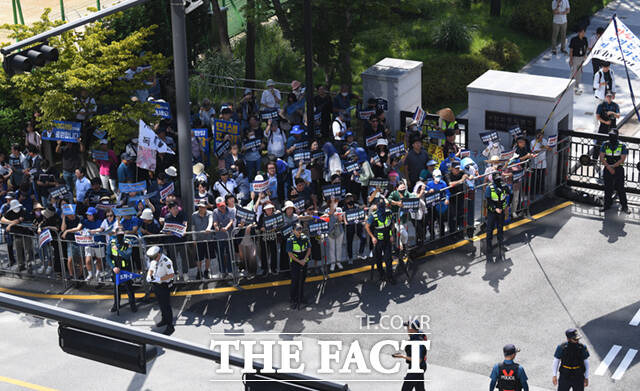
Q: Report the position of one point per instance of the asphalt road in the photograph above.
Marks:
(571, 268)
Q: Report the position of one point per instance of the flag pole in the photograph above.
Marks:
(633, 99)
(118, 294)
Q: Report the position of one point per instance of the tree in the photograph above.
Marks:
(223, 34)
(496, 5)
(250, 50)
(89, 60)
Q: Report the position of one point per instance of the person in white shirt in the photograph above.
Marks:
(206, 113)
(339, 127)
(276, 139)
(560, 9)
(539, 147)
(271, 96)
(595, 62)
(224, 185)
(603, 81)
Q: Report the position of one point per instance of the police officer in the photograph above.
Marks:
(161, 274)
(381, 222)
(121, 249)
(496, 195)
(299, 250)
(414, 380)
(571, 360)
(507, 375)
(613, 155)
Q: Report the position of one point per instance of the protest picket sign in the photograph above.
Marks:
(175, 229)
(260, 187)
(165, 191)
(436, 135)
(304, 156)
(396, 150)
(162, 109)
(371, 141)
(410, 203)
(350, 167)
(316, 116)
(132, 187)
(301, 145)
(431, 199)
(201, 134)
(67, 131)
(488, 137)
(143, 197)
(608, 49)
(287, 230)
(84, 238)
(223, 128)
(125, 211)
(299, 203)
(146, 158)
(274, 221)
(68, 209)
(354, 215)
(318, 227)
(58, 192)
(317, 157)
(380, 183)
(419, 116)
(99, 134)
(507, 155)
(332, 191)
(246, 215)
(106, 206)
(44, 238)
(125, 276)
(269, 114)
(251, 144)
(100, 155)
(382, 104)
(465, 153)
(552, 141)
(365, 114)
(515, 131)
(222, 148)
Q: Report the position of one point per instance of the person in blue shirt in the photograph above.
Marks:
(126, 170)
(509, 376)
(97, 251)
(130, 224)
(437, 210)
(446, 163)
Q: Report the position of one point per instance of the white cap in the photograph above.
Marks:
(146, 214)
(15, 205)
(382, 141)
(153, 251)
(437, 173)
(270, 83)
(268, 206)
(171, 171)
(258, 178)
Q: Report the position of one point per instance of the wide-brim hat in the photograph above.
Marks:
(446, 114)
(198, 168)
(288, 204)
(171, 171)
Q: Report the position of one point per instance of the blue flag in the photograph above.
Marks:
(124, 276)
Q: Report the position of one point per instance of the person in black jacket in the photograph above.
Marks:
(414, 380)
(507, 375)
(571, 360)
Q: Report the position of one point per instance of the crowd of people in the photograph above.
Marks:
(279, 172)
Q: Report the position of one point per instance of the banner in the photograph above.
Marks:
(304, 156)
(274, 221)
(68, 209)
(552, 141)
(319, 227)
(162, 109)
(260, 187)
(143, 197)
(59, 192)
(269, 114)
(100, 155)
(147, 138)
(380, 183)
(607, 48)
(397, 150)
(125, 276)
(419, 116)
(223, 128)
(410, 204)
(222, 148)
(44, 238)
(146, 158)
(354, 215)
(66, 131)
(124, 211)
(84, 238)
(132, 187)
(106, 206)
(99, 134)
(165, 191)
(350, 166)
(487, 137)
(371, 141)
(365, 114)
(246, 215)
(201, 135)
(332, 191)
(175, 229)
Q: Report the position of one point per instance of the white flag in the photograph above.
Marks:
(607, 48)
(148, 139)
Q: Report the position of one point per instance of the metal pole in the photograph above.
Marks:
(62, 10)
(98, 4)
(181, 76)
(308, 66)
(15, 14)
(20, 11)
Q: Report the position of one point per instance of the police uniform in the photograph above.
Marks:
(160, 268)
(415, 380)
(613, 151)
(570, 360)
(496, 195)
(299, 247)
(381, 227)
(508, 375)
(121, 258)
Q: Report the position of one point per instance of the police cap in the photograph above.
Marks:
(510, 349)
(153, 251)
(572, 334)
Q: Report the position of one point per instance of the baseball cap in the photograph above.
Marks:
(349, 133)
(414, 324)
(609, 93)
(268, 206)
(92, 211)
(298, 227)
(147, 214)
(510, 349)
(432, 163)
(437, 173)
(125, 156)
(455, 164)
(572, 334)
(382, 141)
(297, 129)
(219, 201)
(223, 171)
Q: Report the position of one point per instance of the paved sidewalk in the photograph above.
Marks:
(558, 66)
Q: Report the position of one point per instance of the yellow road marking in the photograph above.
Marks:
(25, 384)
(272, 284)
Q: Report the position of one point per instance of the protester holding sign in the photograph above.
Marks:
(71, 160)
(268, 245)
(96, 251)
(107, 166)
(176, 247)
(70, 225)
(539, 148)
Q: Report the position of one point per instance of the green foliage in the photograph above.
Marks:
(504, 52)
(204, 85)
(89, 60)
(533, 17)
(12, 119)
(581, 10)
(452, 34)
(445, 78)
